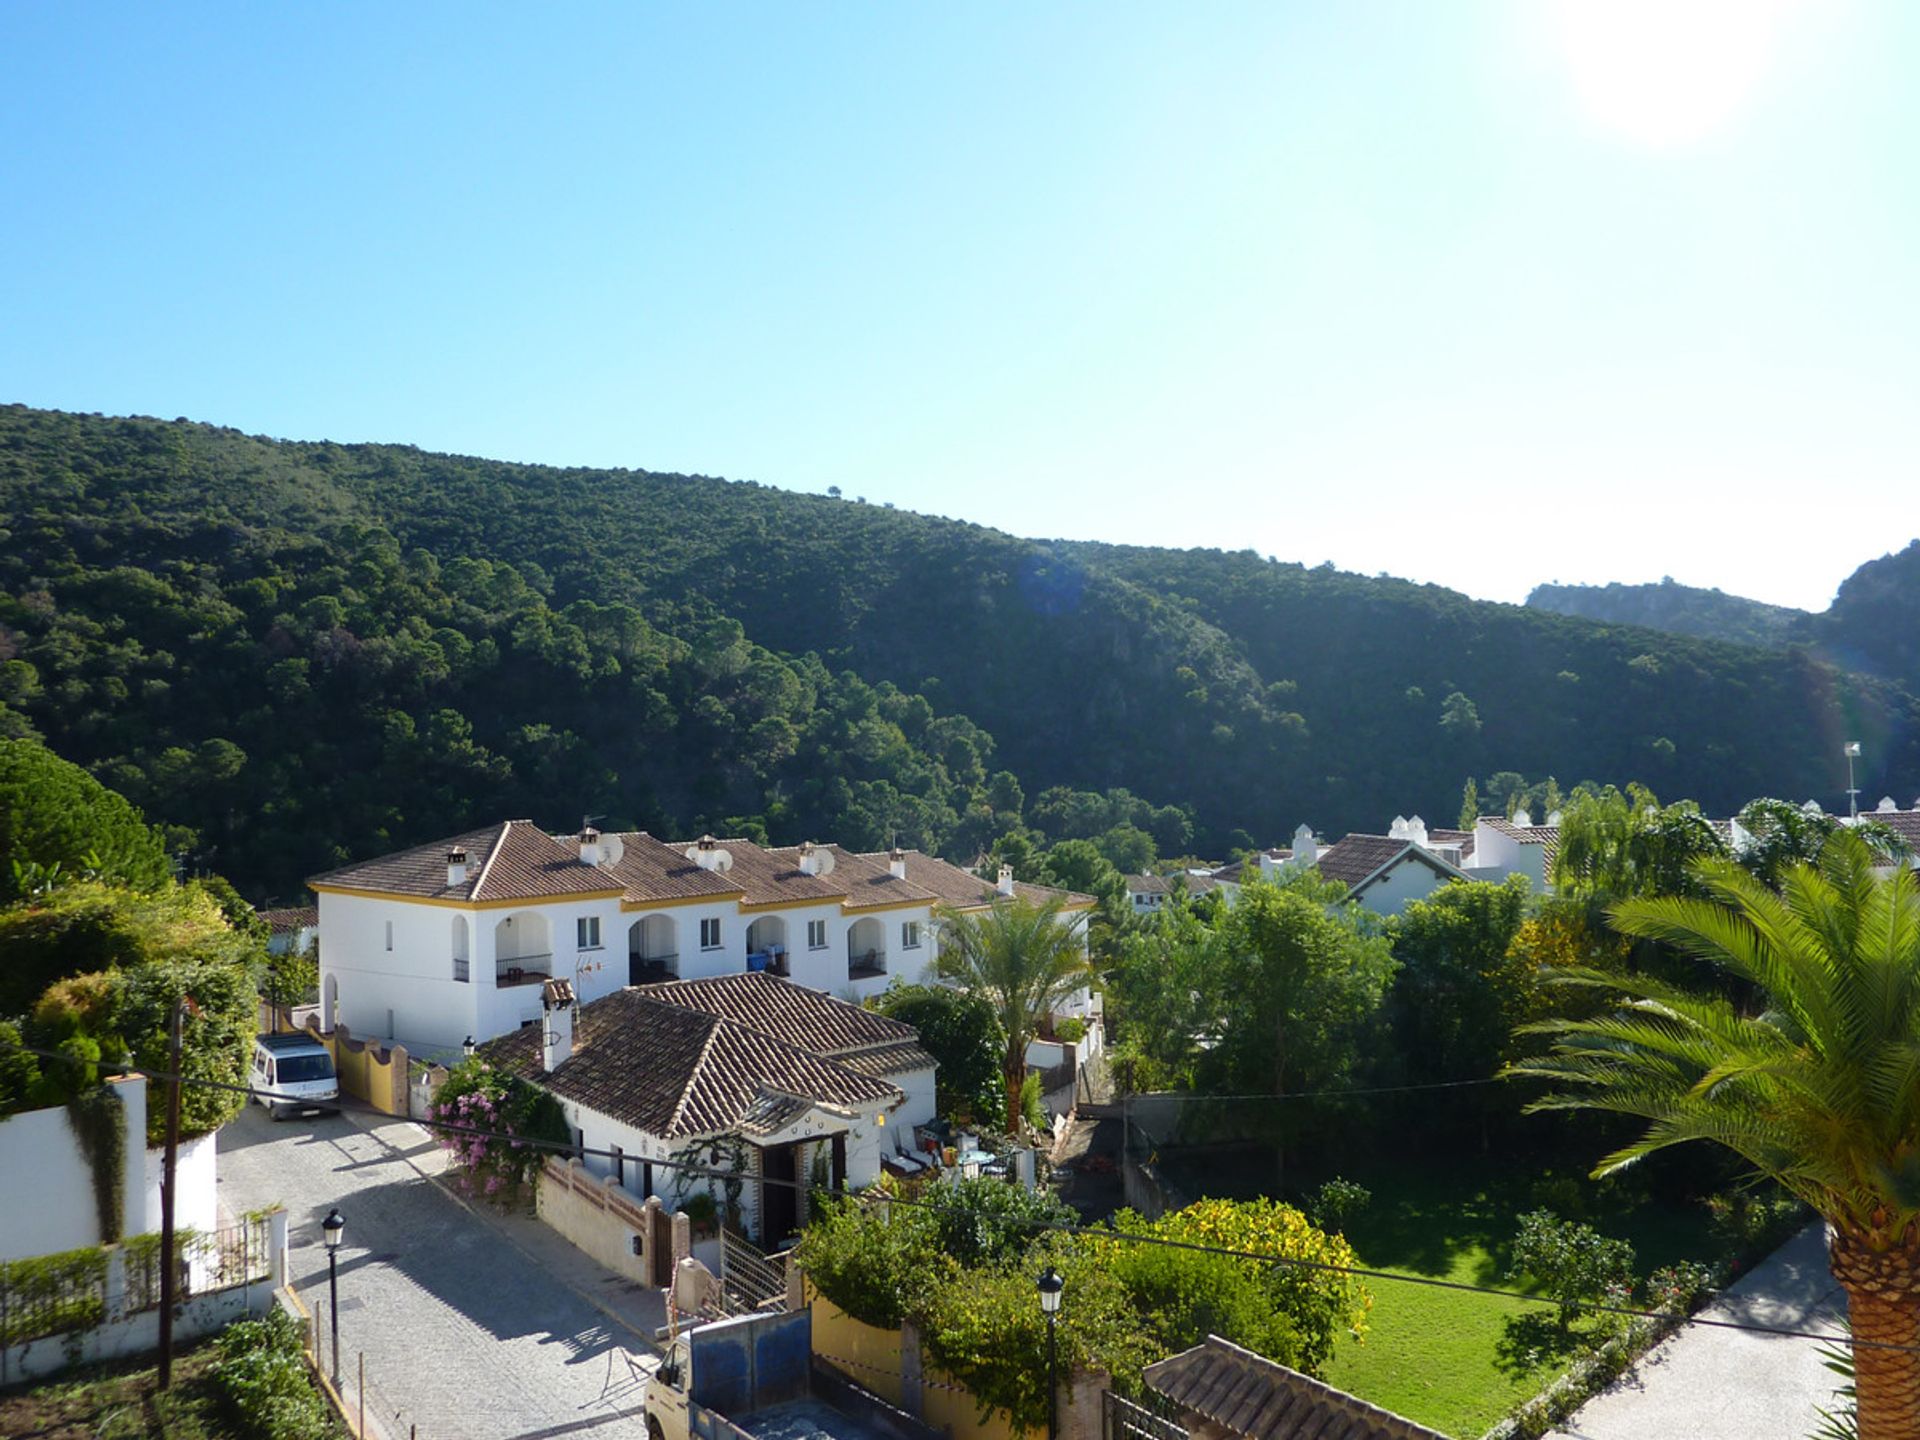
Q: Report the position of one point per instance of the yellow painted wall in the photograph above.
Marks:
(382, 1083)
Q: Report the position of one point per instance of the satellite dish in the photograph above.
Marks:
(723, 860)
(823, 861)
(612, 847)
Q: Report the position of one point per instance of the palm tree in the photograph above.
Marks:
(1023, 959)
(1820, 1090)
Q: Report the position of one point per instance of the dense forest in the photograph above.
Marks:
(297, 652)
(1872, 626)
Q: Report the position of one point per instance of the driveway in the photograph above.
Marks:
(1708, 1384)
(474, 1326)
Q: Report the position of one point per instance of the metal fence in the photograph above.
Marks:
(1123, 1419)
(52, 1294)
(206, 1259)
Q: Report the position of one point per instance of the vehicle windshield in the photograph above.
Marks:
(304, 1067)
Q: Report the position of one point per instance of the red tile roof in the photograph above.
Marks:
(513, 860)
(1249, 1395)
(810, 1019)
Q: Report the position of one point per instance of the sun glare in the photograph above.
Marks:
(1666, 72)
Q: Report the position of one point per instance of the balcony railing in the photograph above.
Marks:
(522, 970)
(460, 970)
(652, 969)
(866, 966)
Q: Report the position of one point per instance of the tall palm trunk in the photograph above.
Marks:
(1883, 1300)
(1015, 1068)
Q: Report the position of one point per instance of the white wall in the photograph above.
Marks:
(196, 1171)
(1406, 882)
(408, 992)
(46, 1184)
(918, 1086)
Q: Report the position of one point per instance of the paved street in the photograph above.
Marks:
(475, 1327)
(1707, 1384)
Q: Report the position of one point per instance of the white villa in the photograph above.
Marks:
(454, 940)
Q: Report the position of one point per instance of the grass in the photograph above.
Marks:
(120, 1402)
(1455, 1361)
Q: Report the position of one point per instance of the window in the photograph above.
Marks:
(586, 932)
(710, 934)
(389, 935)
(816, 934)
(910, 935)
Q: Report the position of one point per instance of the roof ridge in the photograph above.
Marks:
(486, 865)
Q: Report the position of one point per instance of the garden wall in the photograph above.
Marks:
(46, 1183)
(595, 1215)
(368, 1070)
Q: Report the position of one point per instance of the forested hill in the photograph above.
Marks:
(1681, 609)
(1873, 624)
(300, 650)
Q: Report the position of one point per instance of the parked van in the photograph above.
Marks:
(293, 1075)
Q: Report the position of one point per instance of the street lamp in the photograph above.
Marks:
(467, 1047)
(1051, 1285)
(331, 1229)
(1853, 794)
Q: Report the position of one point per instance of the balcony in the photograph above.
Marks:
(866, 966)
(522, 970)
(773, 960)
(652, 969)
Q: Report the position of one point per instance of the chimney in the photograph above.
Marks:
(456, 868)
(1306, 849)
(1005, 887)
(1398, 829)
(809, 863)
(897, 863)
(556, 1034)
(1888, 805)
(590, 851)
(1522, 818)
(707, 854)
(1417, 830)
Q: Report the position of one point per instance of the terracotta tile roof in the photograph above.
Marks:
(775, 876)
(870, 884)
(513, 860)
(1357, 857)
(1250, 1395)
(1545, 836)
(678, 1074)
(792, 1013)
(964, 890)
(1149, 885)
(651, 869)
(1904, 823)
(286, 922)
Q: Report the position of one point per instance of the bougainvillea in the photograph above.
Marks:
(493, 1122)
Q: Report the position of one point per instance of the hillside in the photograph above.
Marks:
(1678, 609)
(304, 650)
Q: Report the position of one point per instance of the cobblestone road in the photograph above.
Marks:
(474, 1327)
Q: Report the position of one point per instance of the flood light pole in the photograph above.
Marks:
(1853, 793)
(1050, 1285)
(331, 1229)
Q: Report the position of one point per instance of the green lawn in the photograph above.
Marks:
(1458, 1361)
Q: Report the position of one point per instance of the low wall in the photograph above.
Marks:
(197, 1171)
(131, 1323)
(595, 1215)
(46, 1182)
(368, 1070)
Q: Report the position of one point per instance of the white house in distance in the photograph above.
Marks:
(455, 939)
(748, 1073)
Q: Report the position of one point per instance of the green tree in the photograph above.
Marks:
(1469, 805)
(962, 1033)
(1616, 846)
(54, 813)
(1023, 960)
(1461, 989)
(1819, 1089)
(1574, 1263)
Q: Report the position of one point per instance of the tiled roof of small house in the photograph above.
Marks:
(1904, 823)
(678, 1074)
(288, 922)
(513, 860)
(1149, 885)
(810, 1019)
(1545, 836)
(1357, 857)
(1249, 1395)
(775, 877)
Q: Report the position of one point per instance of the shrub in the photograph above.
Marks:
(499, 1163)
(1071, 1030)
(985, 1220)
(873, 1260)
(262, 1379)
(1573, 1263)
(1337, 1202)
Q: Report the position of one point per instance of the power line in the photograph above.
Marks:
(1064, 1227)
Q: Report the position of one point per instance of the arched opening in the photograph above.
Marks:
(767, 944)
(460, 951)
(522, 950)
(330, 1004)
(866, 949)
(653, 950)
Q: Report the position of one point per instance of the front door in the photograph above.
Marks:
(779, 1199)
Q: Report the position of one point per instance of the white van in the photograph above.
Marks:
(293, 1075)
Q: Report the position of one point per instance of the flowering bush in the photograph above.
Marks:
(512, 1117)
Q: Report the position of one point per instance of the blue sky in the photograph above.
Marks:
(1478, 293)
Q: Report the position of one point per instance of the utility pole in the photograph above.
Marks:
(1853, 792)
(167, 1265)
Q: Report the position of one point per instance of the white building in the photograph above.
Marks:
(747, 1073)
(455, 939)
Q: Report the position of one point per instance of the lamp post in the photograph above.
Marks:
(1853, 794)
(1050, 1285)
(331, 1229)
